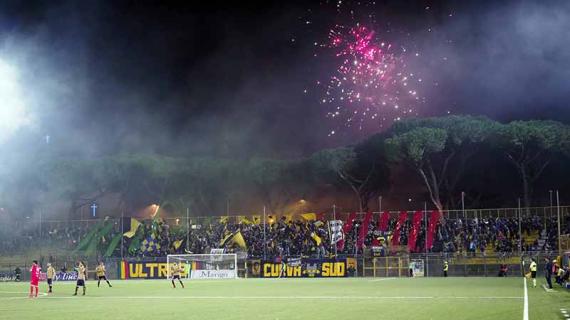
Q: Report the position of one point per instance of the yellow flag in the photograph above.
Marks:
(244, 220)
(288, 217)
(239, 240)
(225, 239)
(256, 219)
(224, 219)
(309, 216)
(134, 226)
(317, 239)
(177, 244)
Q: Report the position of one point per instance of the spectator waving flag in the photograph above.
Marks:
(316, 238)
(336, 232)
(134, 227)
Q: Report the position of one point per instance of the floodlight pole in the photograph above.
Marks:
(187, 229)
(463, 203)
(41, 210)
(122, 236)
(551, 204)
(425, 238)
(264, 237)
(334, 219)
(558, 214)
(380, 204)
(520, 229)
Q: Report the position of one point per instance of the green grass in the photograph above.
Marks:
(354, 298)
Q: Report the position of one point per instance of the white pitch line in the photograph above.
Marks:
(525, 309)
(382, 279)
(277, 297)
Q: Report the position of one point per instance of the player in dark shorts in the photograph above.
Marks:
(81, 275)
(101, 274)
(50, 275)
(175, 271)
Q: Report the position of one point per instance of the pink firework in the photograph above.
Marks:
(370, 85)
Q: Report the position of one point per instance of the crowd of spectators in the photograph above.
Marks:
(301, 238)
(468, 237)
(61, 235)
(471, 236)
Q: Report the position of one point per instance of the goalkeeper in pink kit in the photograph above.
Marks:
(34, 279)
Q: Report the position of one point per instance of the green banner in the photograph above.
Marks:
(116, 240)
(84, 243)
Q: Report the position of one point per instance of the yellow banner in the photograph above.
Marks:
(309, 216)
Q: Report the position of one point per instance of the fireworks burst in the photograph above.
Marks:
(370, 85)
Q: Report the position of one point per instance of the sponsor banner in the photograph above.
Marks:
(212, 274)
(10, 276)
(145, 270)
(60, 276)
(308, 268)
(65, 276)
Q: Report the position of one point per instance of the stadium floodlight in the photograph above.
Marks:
(12, 107)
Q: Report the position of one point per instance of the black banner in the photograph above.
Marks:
(309, 268)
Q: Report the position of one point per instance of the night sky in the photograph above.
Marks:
(238, 79)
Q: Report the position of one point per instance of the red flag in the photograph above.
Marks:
(434, 219)
(363, 229)
(401, 220)
(349, 221)
(383, 221)
(416, 225)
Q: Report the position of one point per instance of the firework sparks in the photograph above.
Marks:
(370, 84)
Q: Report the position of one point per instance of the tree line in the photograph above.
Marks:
(438, 157)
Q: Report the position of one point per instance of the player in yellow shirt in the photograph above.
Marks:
(50, 275)
(175, 271)
(100, 270)
(81, 276)
(533, 272)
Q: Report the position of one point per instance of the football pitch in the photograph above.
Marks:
(349, 298)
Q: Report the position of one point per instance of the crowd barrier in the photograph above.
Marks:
(359, 266)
